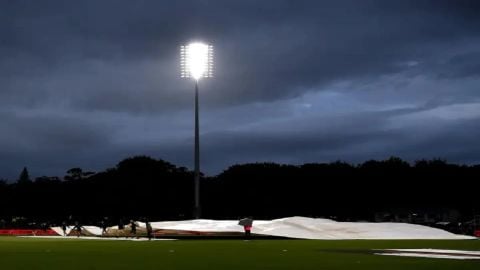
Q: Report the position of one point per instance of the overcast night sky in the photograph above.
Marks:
(88, 83)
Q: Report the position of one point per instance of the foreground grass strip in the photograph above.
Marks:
(32, 253)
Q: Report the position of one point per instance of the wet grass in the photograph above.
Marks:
(29, 253)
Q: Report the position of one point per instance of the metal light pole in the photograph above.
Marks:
(197, 63)
(197, 210)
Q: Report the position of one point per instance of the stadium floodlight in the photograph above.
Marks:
(197, 63)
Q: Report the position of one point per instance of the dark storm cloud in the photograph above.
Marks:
(42, 141)
(412, 134)
(77, 60)
(266, 50)
(355, 138)
(461, 66)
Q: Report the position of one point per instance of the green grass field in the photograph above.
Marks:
(51, 254)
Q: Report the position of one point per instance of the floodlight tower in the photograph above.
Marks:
(197, 63)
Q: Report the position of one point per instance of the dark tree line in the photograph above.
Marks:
(145, 187)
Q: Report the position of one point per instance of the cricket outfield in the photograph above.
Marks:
(40, 253)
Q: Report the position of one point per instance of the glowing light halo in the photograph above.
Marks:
(197, 60)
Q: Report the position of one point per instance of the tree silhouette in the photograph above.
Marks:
(145, 187)
(76, 174)
(24, 177)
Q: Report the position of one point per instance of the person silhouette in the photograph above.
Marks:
(77, 228)
(149, 230)
(248, 230)
(64, 228)
(133, 227)
(103, 223)
(247, 226)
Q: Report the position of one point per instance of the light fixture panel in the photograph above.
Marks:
(196, 60)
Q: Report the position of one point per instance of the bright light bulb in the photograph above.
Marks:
(196, 60)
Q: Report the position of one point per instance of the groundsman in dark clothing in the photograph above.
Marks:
(149, 230)
(133, 227)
